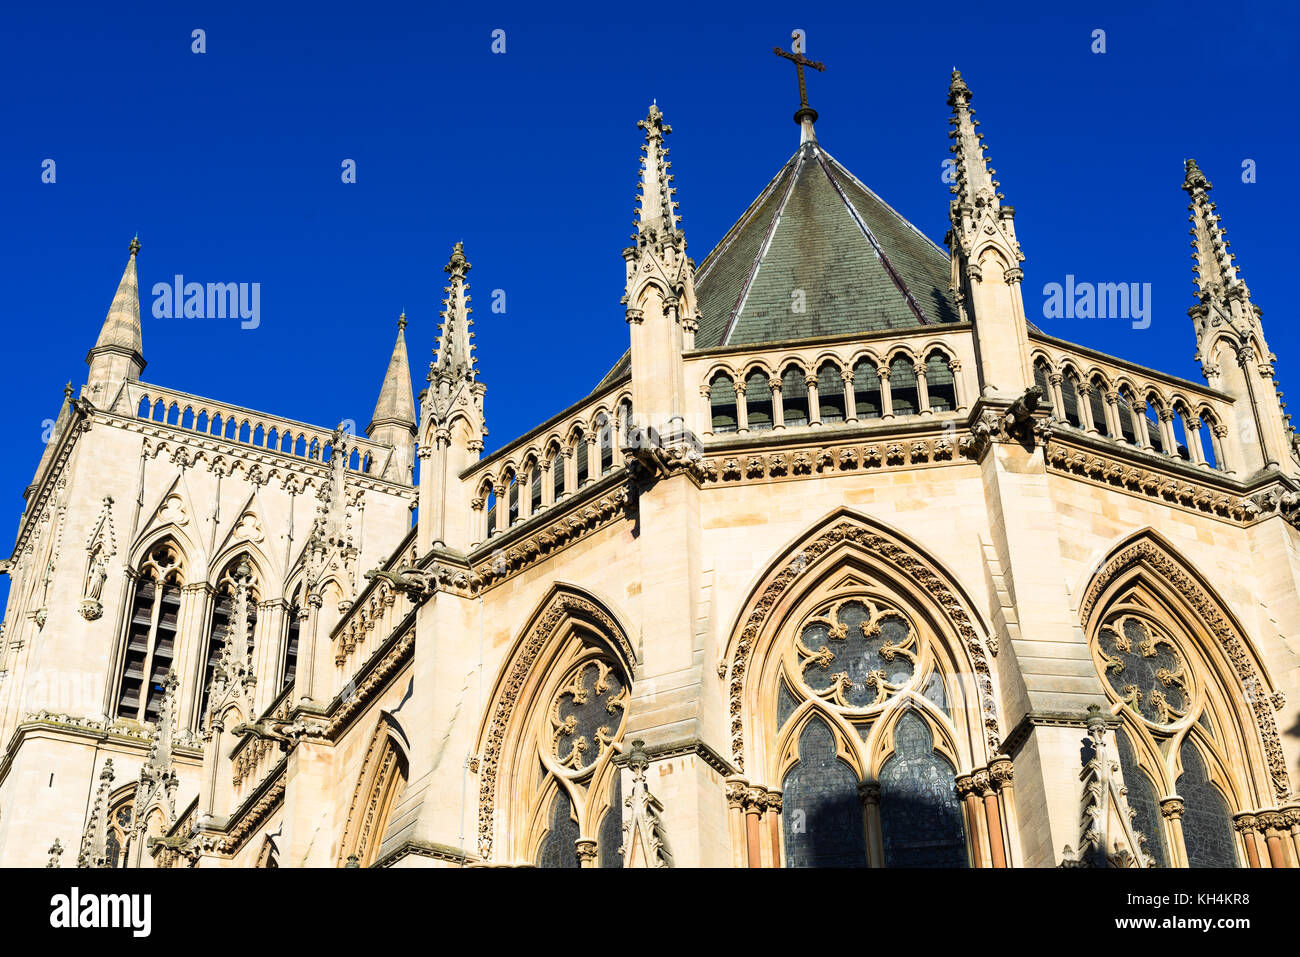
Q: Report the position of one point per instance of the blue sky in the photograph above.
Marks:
(228, 166)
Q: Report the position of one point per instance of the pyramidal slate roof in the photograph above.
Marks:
(817, 254)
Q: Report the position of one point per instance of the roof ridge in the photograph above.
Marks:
(876, 196)
(730, 236)
(763, 247)
(875, 244)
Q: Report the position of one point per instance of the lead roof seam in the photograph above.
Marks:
(875, 244)
(762, 249)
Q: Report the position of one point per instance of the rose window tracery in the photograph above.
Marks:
(856, 652)
(1145, 668)
(587, 714)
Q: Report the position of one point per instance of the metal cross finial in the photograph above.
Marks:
(800, 61)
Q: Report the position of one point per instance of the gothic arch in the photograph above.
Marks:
(384, 772)
(846, 550)
(573, 641)
(1144, 573)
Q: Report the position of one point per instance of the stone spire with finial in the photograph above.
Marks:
(394, 422)
(118, 354)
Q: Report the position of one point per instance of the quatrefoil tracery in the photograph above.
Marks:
(1146, 669)
(872, 646)
(587, 715)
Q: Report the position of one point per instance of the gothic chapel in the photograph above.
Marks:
(844, 563)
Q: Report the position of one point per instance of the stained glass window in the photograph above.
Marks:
(822, 815)
(856, 655)
(1142, 799)
(920, 818)
(611, 828)
(559, 847)
(1207, 826)
(1145, 669)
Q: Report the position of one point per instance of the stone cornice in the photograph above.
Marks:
(1049, 719)
(665, 751)
(1156, 477)
(551, 531)
(88, 731)
(438, 852)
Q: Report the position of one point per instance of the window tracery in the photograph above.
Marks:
(151, 634)
(868, 756)
(1181, 780)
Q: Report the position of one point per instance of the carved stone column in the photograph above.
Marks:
(742, 409)
(958, 387)
(869, 795)
(886, 397)
(774, 806)
(1274, 826)
(753, 820)
(969, 793)
(1138, 414)
(991, 823)
(1171, 809)
(1113, 425)
(548, 486)
(814, 401)
(1218, 433)
(1084, 391)
(778, 408)
(503, 508)
(922, 390)
(706, 417)
(586, 851)
(1056, 380)
(1001, 772)
(1167, 437)
(1293, 825)
(570, 459)
(1192, 424)
(850, 400)
(1244, 825)
(736, 788)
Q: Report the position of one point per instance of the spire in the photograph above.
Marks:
(657, 213)
(118, 352)
(455, 361)
(986, 256)
(396, 405)
(1230, 343)
(975, 184)
(1216, 272)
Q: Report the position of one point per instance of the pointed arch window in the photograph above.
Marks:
(550, 793)
(293, 631)
(1170, 698)
(223, 620)
(867, 739)
(150, 634)
(118, 833)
